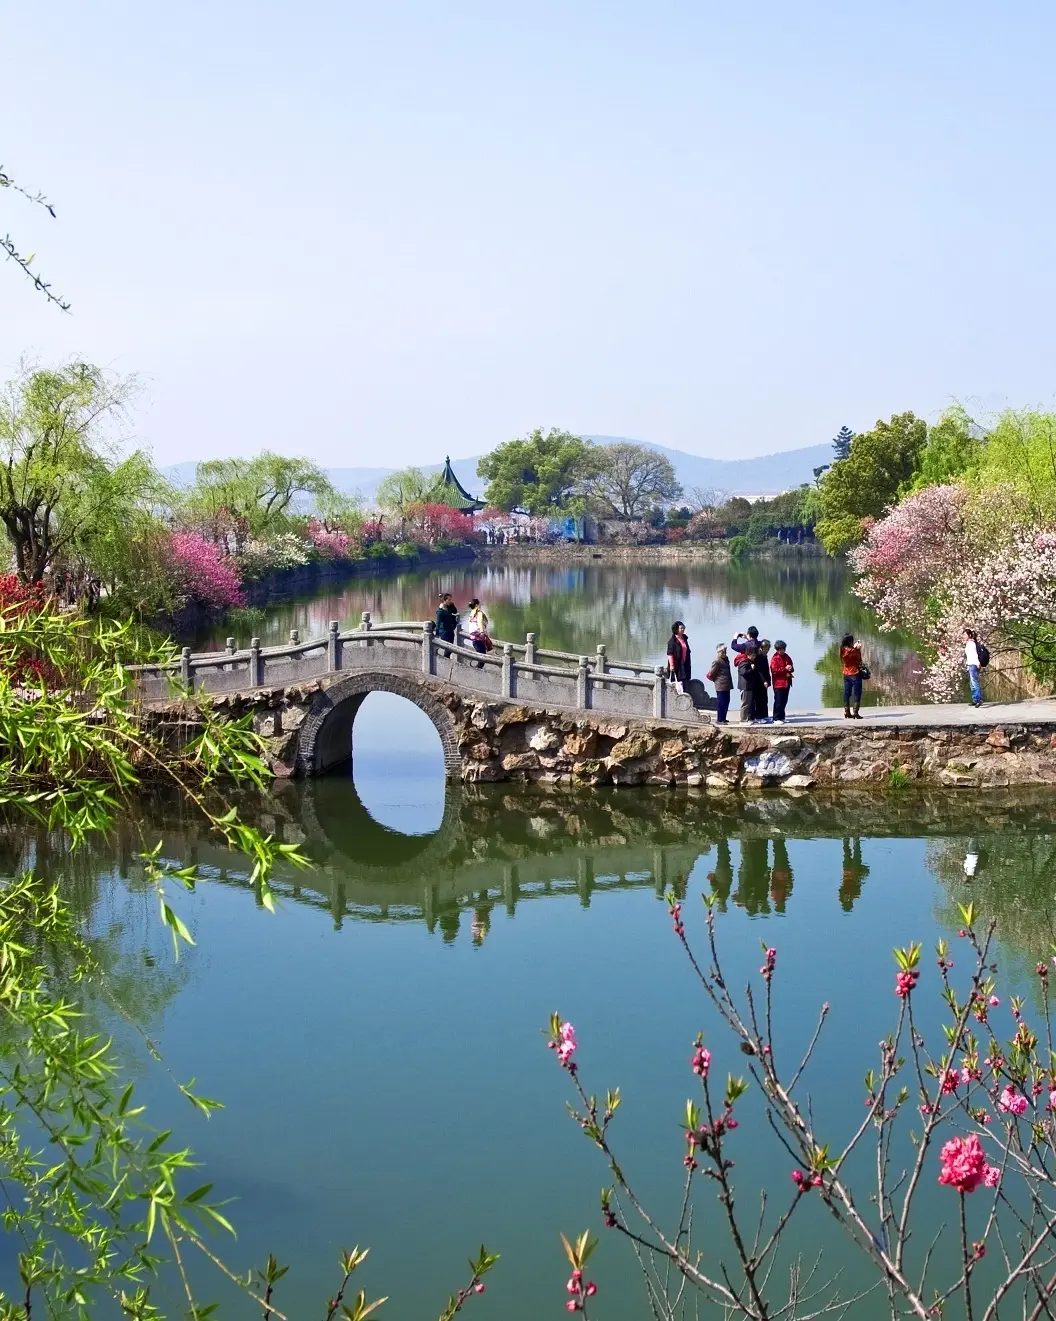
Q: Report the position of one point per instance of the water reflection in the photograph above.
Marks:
(498, 849)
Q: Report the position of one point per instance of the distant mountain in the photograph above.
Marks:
(766, 475)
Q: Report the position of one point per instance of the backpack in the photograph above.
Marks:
(984, 654)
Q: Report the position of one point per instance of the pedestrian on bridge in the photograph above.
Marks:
(781, 671)
(720, 676)
(750, 683)
(446, 619)
(763, 667)
(976, 656)
(851, 660)
(478, 630)
(679, 659)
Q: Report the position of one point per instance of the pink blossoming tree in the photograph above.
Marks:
(203, 572)
(971, 1111)
(953, 556)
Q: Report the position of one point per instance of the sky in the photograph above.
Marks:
(376, 234)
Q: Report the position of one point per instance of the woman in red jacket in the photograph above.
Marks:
(781, 671)
(851, 660)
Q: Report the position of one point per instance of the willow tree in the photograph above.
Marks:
(237, 499)
(63, 474)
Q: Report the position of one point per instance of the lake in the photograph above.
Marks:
(377, 1041)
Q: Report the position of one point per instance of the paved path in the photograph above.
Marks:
(1032, 711)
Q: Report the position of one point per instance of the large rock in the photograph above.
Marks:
(768, 765)
(634, 747)
(541, 737)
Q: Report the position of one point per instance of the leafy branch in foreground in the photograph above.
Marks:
(75, 741)
(26, 262)
(100, 1204)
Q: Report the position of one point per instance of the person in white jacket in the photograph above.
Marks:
(971, 660)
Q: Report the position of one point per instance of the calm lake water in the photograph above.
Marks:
(377, 1041)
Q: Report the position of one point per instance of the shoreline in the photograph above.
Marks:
(699, 552)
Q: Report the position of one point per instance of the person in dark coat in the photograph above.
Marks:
(446, 618)
(679, 662)
(749, 682)
(762, 703)
(721, 677)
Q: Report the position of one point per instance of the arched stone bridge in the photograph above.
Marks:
(306, 694)
(522, 713)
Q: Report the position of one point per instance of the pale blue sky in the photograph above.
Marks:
(378, 233)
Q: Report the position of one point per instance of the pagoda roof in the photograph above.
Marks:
(456, 494)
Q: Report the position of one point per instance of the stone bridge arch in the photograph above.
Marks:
(325, 740)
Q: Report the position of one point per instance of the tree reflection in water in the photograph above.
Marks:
(501, 848)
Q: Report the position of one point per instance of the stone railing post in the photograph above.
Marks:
(529, 649)
(583, 684)
(507, 670)
(295, 638)
(185, 669)
(256, 664)
(230, 649)
(601, 664)
(364, 624)
(428, 647)
(333, 647)
(659, 693)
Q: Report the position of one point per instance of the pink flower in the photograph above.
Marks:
(963, 1164)
(966, 1076)
(571, 1305)
(592, 1289)
(204, 572)
(994, 1002)
(1012, 1102)
(950, 1079)
(567, 1044)
(1052, 1099)
(905, 981)
(702, 1062)
(991, 1176)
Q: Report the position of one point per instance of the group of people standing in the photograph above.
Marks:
(758, 671)
(446, 624)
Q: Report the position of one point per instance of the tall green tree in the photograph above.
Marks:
(841, 442)
(62, 477)
(953, 448)
(253, 497)
(538, 473)
(1021, 451)
(410, 486)
(630, 479)
(864, 484)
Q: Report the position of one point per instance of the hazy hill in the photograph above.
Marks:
(766, 475)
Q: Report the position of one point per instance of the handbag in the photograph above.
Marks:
(479, 636)
(864, 672)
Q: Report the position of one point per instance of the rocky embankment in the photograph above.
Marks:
(499, 742)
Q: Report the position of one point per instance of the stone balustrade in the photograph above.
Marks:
(522, 672)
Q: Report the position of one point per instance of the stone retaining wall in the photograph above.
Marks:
(705, 552)
(512, 743)
(494, 741)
